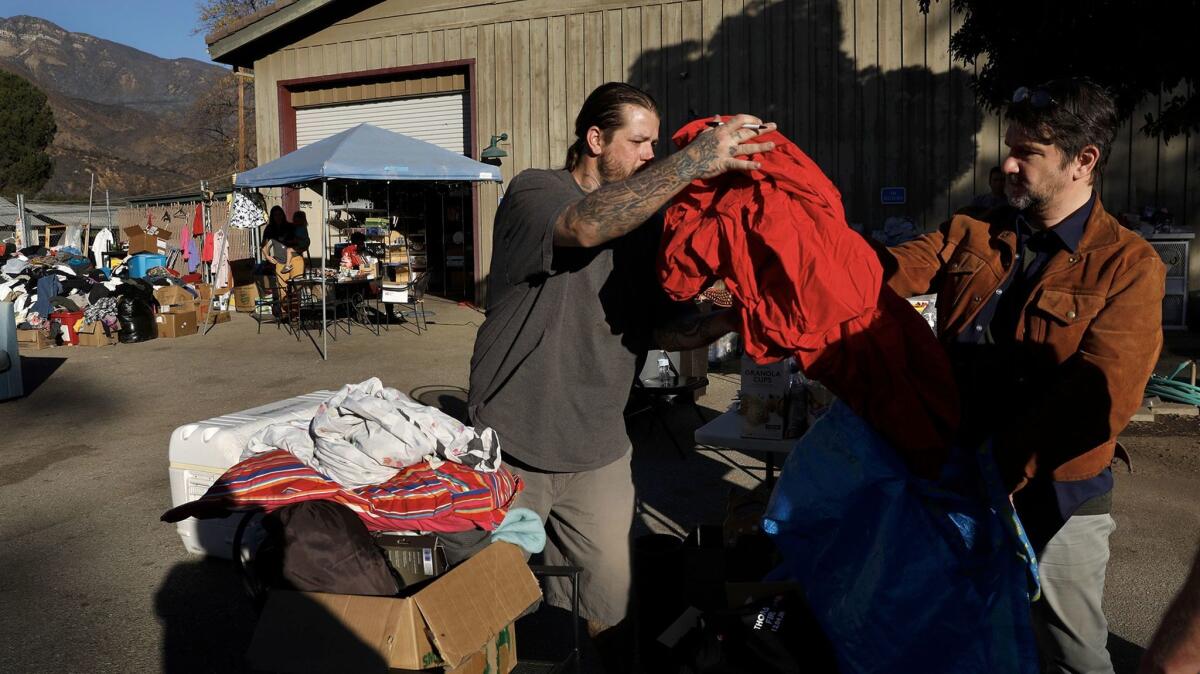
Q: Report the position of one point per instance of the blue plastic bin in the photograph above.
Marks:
(143, 262)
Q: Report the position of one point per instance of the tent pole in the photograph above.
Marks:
(324, 254)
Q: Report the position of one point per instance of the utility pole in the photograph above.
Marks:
(22, 223)
(240, 76)
(91, 186)
(241, 163)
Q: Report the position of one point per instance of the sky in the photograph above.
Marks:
(161, 27)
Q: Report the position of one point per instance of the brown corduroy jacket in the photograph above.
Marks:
(1092, 329)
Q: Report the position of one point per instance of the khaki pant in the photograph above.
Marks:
(588, 516)
(1069, 623)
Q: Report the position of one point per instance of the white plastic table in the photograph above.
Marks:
(726, 431)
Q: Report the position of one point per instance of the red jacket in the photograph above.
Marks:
(807, 285)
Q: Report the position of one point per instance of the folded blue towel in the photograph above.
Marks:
(522, 527)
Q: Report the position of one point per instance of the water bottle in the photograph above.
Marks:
(666, 376)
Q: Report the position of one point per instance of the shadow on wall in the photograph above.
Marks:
(866, 126)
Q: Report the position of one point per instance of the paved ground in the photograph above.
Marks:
(90, 580)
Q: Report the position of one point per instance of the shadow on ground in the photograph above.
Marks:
(206, 617)
(36, 370)
(1125, 655)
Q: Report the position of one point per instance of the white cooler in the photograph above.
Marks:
(200, 452)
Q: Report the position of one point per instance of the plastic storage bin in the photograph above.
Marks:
(200, 452)
(68, 319)
(143, 262)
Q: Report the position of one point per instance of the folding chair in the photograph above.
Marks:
(267, 306)
(414, 296)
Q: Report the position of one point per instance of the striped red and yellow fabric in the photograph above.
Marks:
(446, 499)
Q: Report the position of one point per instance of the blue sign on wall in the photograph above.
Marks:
(892, 195)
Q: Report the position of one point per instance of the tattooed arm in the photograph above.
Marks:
(618, 208)
(696, 330)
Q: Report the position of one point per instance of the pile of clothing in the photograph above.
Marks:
(52, 286)
(397, 464)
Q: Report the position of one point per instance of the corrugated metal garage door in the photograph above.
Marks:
(434, 119)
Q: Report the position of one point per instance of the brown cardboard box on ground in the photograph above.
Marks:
(174, 300)
(142, 242)
(92, 334)
(33, 340)
(460, 621)
(219, 317)
(176, 325)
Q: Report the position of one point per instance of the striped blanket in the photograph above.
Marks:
(446, 499)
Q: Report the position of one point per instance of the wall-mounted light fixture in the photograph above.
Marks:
(492, 154)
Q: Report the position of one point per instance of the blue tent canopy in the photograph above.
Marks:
(367, 152)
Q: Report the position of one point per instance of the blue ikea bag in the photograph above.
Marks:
(904, 574)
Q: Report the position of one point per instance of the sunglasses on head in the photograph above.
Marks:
(1037, 97)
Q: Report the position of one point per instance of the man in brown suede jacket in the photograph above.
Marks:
(1051, 313)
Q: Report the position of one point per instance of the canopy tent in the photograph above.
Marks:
(364, 152)
(367, 152)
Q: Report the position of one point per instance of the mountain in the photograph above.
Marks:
(128, 115)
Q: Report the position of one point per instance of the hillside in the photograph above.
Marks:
(128, 115)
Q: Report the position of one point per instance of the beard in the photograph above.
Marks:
(1031, 197)
(612, 171)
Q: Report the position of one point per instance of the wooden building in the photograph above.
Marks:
(866, 87)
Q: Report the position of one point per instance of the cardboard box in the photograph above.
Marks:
(205, 290)
(415, 558)
(174, 300)
(141, 241)
(93, 335)
(176, 325)
(498, 657)
(33, 340)
(461, 621)
(220, 317)
(763, 406)
(244, 297)
(202, 309)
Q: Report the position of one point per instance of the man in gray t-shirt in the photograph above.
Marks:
(568, 314)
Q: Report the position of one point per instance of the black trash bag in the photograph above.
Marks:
(136, 319)
(322, 546)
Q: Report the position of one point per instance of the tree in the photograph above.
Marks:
(215, 114)
(1135, 49)
(26, 129)
(214, 118)
(217, 15)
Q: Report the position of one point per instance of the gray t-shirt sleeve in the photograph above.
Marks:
(531, 206)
